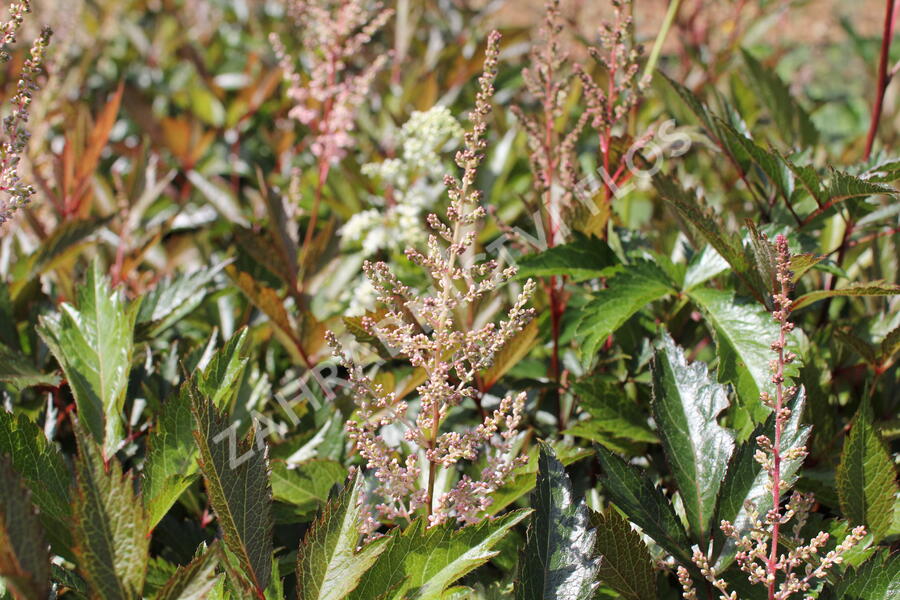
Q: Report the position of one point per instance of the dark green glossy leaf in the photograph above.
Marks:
(558, 558)
(524, 478)
(686, 407)
(743, 332)
(625, 563)
(629, 290)
(644, 504)
(866, 476)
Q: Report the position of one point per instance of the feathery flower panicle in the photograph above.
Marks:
(14, 193)
(758, 550)
(621, 61)
(424, 329)
(552, 157)
(609, 102)
(334, 34)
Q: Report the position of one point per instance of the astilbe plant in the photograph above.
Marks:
(15, 193)
(552, 157)
(609, 103)
(425, 330)
(758, 550)
(334, 34)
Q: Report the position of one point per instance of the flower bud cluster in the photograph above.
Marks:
(621, 61)
(426, 329)
(15, 193)
(334, 34)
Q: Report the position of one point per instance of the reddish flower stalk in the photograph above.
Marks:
(623, 89)
(334, 36)
(783, 303)
(758, 547)
(884, 78)
(552, 156)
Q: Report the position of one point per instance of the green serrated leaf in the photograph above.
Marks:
(24, 559)
(171, 464)
(629, 290)
(558, 558)
(611, 412)
(581, 259)
(791, 120)
(874, 288)
(110, 525)
(625, 564)
(780, 177)
(194, 581)
(866, 476)
(427, 560)
(876, 579)
(93, 343)
(329, 567)
(686, 407)
(743, 332)
(306, 486)
(236, 475)
(221, 376)
(20, 373)
(890, 344)
(173, 298)
(44, 470)
(744, 484)
(692, 211)
(644, 504)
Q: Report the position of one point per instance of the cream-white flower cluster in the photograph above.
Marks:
(413, 181)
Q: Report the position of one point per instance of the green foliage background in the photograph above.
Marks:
(155, 288)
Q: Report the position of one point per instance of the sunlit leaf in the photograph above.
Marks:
(866, 476)
(558, 559)
(686, 407)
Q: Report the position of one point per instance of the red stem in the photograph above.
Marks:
(883, 76)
